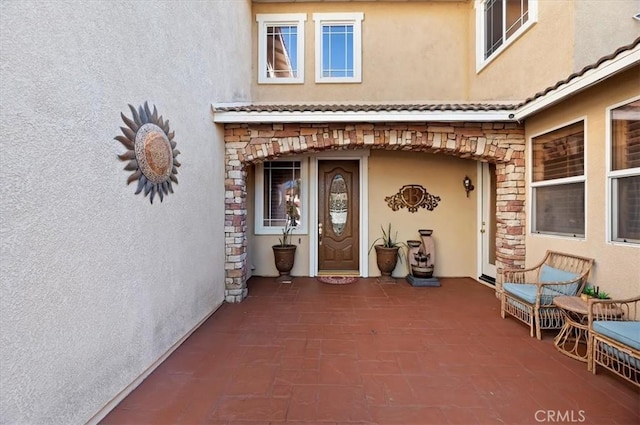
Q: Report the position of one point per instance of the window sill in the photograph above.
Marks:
(559, 236)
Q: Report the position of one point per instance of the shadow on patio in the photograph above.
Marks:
(371, 353)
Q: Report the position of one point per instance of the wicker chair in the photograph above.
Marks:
(527, 294)
(614, 337)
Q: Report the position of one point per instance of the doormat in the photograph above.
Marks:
(337, 280)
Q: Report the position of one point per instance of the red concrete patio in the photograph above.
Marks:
(370, 353)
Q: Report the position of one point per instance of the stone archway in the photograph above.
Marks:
(499, 143)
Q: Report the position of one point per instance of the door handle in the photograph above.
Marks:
(319, 233)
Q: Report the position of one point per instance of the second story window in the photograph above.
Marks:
(281, 48)
(499, 22)
(338, 47)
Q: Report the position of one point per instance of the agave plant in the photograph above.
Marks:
(388, 239)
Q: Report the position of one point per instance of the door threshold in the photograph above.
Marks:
(490, 280)
(346, 273)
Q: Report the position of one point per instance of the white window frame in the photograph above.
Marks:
(555, 182)
(612, 176)
(266, 20)
(354, 19)
(303, 224)
(481, 62)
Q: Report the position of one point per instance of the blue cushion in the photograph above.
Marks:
(525, 291)
(528, 292)
(627, 332)
(551, 274)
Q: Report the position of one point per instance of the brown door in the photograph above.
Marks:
(338, 216)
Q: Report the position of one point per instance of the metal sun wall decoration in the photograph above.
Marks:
(412, 196)
(151, 152)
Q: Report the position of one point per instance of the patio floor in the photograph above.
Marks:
(371, 353)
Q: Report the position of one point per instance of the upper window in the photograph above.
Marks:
(558, 182)
(281, 48)
(624, 172)
(280, 196)
(500, 22)
(338, 47)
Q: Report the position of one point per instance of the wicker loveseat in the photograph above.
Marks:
(527, 294)
(614, 337)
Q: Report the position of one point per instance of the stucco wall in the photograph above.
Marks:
(595, 35)
(453, 221)
(538, 59)
(410, 51)
(617, 269)
(97, 284)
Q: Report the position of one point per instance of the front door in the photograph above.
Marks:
(488, 225)
(338, 216)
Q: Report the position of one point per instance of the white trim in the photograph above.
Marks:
(363, 158)
(303, 227)
(479, 216)
(481, 62)
(230, 117)
(619, 63)
(484, 212)
(102, 413)
(556, 182)
(265, 20)
(354, 19)
(613, 175)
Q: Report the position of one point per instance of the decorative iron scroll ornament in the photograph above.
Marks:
(151, 152)
(412, 196)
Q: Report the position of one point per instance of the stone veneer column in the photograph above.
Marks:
(500, 143)
(235, 214)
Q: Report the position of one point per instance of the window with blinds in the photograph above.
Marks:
(281, 193)
(558, 182)
(624, 173)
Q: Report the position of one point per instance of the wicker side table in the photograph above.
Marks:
(573, 338)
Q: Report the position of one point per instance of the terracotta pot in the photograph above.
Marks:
(284, 256)
(386, 258)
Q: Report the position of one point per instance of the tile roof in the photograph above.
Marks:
(412, 107)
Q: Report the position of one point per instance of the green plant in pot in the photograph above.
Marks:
(284, 252)
(387, 252)
(588, 292)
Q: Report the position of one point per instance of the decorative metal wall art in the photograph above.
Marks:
(151, 153)
(412, 196)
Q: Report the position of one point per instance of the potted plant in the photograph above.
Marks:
(284, 252)
(387, 253)
(588, 292)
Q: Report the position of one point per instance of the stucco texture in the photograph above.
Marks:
(595, 36)
(453, 221)
(617, 269)
(97, 284)
(420, 54)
